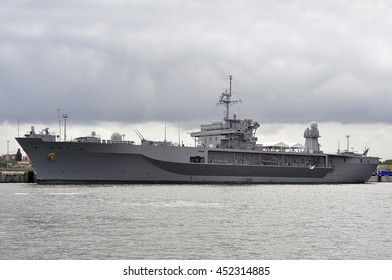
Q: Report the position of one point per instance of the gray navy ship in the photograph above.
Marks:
(224, 152)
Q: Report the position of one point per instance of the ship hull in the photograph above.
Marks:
(69, 162)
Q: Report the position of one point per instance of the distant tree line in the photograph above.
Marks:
(3, 163)
(388, 161)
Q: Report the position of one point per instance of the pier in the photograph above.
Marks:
(379, 178)
(18, 177)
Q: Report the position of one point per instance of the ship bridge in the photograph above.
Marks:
(231, 133)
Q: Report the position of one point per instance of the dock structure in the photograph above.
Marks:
(380, 178)
(18, 177)
(383, 173)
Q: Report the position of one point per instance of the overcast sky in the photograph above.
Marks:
(130, 62)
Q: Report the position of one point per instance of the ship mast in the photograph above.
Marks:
(225, 99)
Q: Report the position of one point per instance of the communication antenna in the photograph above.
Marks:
(139, 134)
(58, 110)
(179, 133)
(65, 116)
(225, 99)
(338, 147)
(165, 129)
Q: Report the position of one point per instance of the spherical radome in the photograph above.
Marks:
(116, 136)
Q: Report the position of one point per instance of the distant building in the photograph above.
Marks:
(22, 164)
(8, 157)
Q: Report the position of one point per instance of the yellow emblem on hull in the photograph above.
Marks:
(52, 156)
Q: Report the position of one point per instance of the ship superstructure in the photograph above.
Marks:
(231, 133)
(225, 152)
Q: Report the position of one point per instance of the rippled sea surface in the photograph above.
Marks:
(196, 221)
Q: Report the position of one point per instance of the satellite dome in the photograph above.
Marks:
(116, 136)
(313, 125)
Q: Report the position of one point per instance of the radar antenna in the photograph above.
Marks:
(225, 99)
(139, 135)
(46, 130)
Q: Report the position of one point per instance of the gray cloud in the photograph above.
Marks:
(135, 61)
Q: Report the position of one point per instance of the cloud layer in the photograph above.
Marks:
(137, 61)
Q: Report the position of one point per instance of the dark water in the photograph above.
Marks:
(196, 221)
